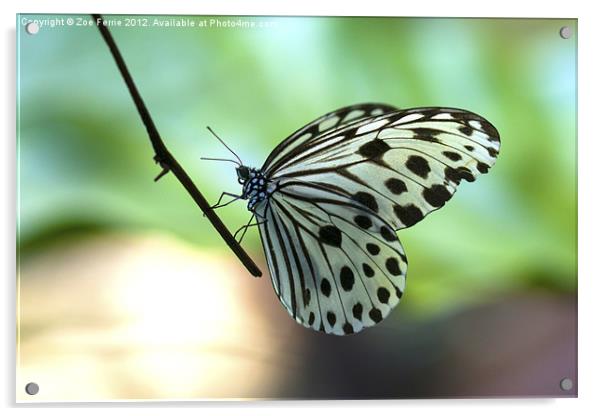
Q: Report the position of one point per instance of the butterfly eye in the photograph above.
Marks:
(243, 174)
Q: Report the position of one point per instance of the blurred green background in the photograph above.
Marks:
(123, 283)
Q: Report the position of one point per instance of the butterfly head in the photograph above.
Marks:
(244, 174)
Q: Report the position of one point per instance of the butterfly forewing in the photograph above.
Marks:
(403, 165)
(335, 120)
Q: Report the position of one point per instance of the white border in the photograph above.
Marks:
(589, 205)
(459, 8)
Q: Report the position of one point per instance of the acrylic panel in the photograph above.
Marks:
(127, 290)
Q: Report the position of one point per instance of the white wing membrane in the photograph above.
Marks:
(335, 265)
(341, 186)
(403, 165)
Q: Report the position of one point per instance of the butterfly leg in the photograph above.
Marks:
(244, 228)
(218, 205)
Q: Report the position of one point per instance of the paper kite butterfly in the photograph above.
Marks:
(329, 199)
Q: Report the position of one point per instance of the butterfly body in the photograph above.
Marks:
(331, 197)
(255, 187)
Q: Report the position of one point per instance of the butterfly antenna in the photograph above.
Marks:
(220, 160)
(225, 145)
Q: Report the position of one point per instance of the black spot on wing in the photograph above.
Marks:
(383, 295)
(347, 278)
(348, 328)
(372, 249)
(482, 167)
(387, 234)
(436, 195)
(329, 234)
(366, 199)
(408, 214)
(392, 265)
(452, 155)
(456, 175)
(331, 317)
(376, 315)
(492, 152)
(396, 186)
(325, 287)
(363, 221)
(373, 149)
(465, 130)
(357, 311)
(418, 165)
(426, 134)
(368, 271)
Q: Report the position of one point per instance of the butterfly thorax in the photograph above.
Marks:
(254, 185)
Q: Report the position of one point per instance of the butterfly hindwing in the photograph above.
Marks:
(335, 265)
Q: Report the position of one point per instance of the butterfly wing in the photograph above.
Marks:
(344, 184)
(329, 122)
(335, 265)
(402, 165)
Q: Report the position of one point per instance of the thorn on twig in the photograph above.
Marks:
(164, 166)
(163, 172)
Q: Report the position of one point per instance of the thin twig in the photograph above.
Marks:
(164, 158)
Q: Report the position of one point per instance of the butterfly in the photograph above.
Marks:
(329, 199)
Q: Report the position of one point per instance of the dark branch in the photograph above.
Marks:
(166, 160)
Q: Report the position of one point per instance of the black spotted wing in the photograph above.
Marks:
(342, 185)
(336, 266)
(402, 164)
